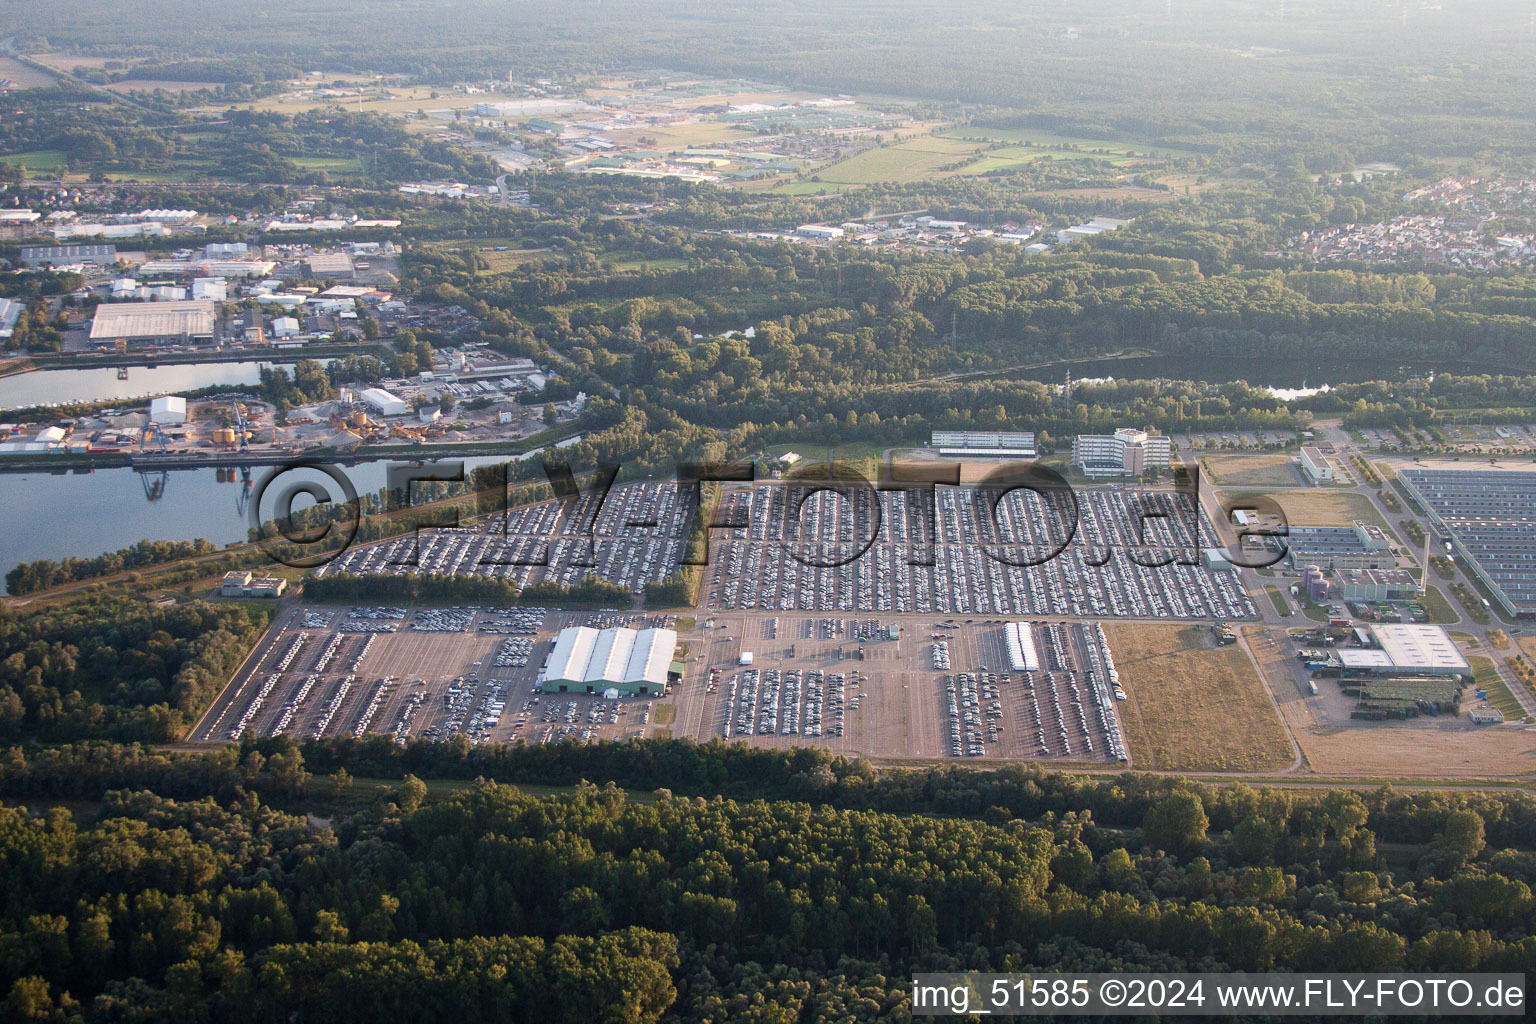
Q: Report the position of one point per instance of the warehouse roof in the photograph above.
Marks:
(618, 655)
(154, 319)
(1364, 658)
(1420, 647)
(330, 263)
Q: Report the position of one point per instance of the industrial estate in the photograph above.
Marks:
(949, 622)
(679, 513)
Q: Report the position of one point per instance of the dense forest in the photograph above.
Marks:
(815, 895)
(111, 665)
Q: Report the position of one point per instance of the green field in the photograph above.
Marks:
(502, 262)
(625, 262)
(340, 164)
(1281, 604)
(921, 157)
(1035, 144)
(1439, 609)
(38, 160)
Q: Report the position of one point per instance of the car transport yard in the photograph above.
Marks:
(434, 673)
(1114, 553)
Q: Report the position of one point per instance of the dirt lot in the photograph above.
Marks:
(1268, 470)
(24, 75)
(1193, 707)
(1427, 747)
(1320, 507)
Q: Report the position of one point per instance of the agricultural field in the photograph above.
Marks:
(908, 160)
(674, 137)
(68, 62)
(1268, 470)
(1030, 144)
(151, 84)
(1193, 707)
(24, 75)
(925, 156)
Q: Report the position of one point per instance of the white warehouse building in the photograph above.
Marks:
(636, 662)
(1022, 656)
(168, 409)
(383, 403)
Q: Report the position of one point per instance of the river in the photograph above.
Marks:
(58, 387)
(60, 514)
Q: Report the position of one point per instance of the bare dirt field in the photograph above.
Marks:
(1425, 747)
(1320, 506)
(1273, 469)
(69, 62)
(24, 75)
(1193, 707)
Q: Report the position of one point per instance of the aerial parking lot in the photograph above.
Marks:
(415, 672)
(861, 688)
(553, 541)
(1116, 554)
(872, 623)
(858, 686)
(1111, 552)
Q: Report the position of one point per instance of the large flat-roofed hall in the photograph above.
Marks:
(635, 662)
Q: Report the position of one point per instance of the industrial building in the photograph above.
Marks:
(1360, 545)
(330, 264)
(1096, 226)
(985, 444)
(1404, 650)
(382, 402)
(635, 662)
(1126, 452)
(10, 313)
(168, 410)
(242, 583)
(213, 289)
(1377, 585)
(1315, 464)
(1022, 656)
(35, 256)
(1489, 518)
(190, 321)
(819, 231)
